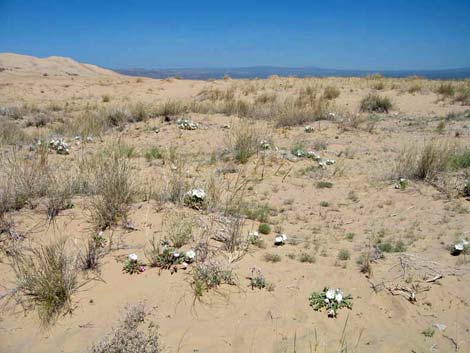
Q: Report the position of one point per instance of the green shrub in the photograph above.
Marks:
(375, 103)
(350, 236)
(344, 255)
(324, 185)
(264, 228)
(389, 247)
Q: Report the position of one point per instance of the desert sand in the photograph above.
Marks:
(427, 218)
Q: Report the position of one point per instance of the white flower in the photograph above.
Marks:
(280, 239)
(133, 257)
(330, 293)
(253, 234)
(460, 246)
(308, 128)
(176, 254)
(265, 145)
(190, 254)
(327, 301)
(197, 193)
(339, 297)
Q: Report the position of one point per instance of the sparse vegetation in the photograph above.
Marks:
(268, 257)
(128, 337)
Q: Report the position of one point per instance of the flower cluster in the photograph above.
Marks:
(461, 246)
(309, 129)
(322, 163)
(133, 265)
(195, 198)
(280, 239)
(59, 145)
(186, 124)
(401, 184)
(299, 151)
(331, 299)
(265, 145)
(171, 256)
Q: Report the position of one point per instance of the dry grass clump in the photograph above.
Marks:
(23, 180)
(446, 90)
(299, 111)
(463, 95)
(307, 105)
(414, 89)
(127, 337)
(331, 92)
(38, 120)
(93, 251)
(179, 229)
(426, 161)
(88, 124)
(61, 189)
(210, 274)
(113, 189)
(171, 108)
(245, 139)
(12, 134)
(117, 116)
(46, 278)
(176, 184)
(375, 103)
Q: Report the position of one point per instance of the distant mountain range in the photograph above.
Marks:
(266, 71)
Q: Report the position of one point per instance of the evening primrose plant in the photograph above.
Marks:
(331, 299)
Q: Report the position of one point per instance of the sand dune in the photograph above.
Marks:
(53, 66)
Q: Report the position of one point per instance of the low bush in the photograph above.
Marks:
(264, 228)
(331, 92)
(375, 103)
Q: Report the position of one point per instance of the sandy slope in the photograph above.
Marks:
(53, 65)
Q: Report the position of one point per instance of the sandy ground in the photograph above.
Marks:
(237, 318)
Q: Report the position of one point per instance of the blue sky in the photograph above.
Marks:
(394, 34)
